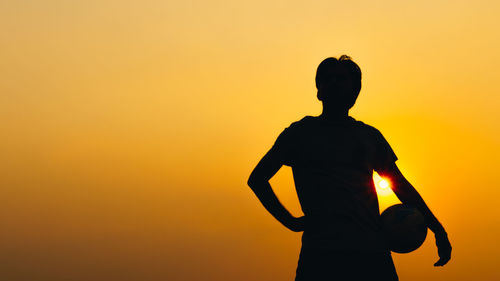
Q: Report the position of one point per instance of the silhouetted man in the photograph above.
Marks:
(333, 157)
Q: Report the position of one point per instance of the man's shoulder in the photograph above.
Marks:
(297, 129)
(365, 127)
(306, 121)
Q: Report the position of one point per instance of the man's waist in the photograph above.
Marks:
(344, 239)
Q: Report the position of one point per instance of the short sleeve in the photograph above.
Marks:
(284, 146)
(384, 155)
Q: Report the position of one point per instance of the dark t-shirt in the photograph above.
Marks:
(332, 164)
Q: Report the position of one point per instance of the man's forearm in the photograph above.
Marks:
(409, 195)
(270, 201)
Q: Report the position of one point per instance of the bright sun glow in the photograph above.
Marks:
(382, 185)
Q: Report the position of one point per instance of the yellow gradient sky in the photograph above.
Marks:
(129, 130)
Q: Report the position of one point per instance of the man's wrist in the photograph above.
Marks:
(288, 220)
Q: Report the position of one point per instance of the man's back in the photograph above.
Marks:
(332, 163)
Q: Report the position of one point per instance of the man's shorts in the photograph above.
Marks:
(316, 265)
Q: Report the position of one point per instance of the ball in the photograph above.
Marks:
(404, 228)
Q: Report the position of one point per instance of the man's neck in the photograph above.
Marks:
(333, 113)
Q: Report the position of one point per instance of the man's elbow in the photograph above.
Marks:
(250, 181)
(254, 181)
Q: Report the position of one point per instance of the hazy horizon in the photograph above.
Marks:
(130, 130)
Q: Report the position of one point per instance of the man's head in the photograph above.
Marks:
(338, 82)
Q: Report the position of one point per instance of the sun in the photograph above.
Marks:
(382, 185)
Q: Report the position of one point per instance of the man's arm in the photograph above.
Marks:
(259, 183)
(407, 194)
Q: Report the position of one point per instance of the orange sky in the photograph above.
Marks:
(129, 130)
